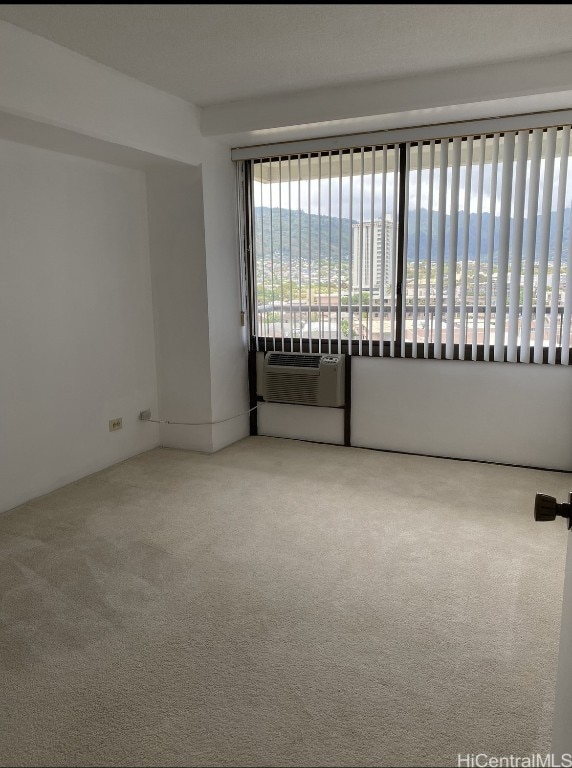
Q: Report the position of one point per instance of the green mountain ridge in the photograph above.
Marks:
(320, 236)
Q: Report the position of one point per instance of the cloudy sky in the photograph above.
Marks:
(324, 196)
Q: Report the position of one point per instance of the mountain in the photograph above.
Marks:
(485, 224)
(303, 229)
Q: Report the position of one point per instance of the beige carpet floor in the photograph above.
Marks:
(280, 603)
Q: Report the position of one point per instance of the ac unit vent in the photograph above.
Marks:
(298, 361)
(291, 388)
(304, 378)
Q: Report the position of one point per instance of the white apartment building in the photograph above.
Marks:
(380, 253)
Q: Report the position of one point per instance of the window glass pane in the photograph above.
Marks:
(488, 274)
(325, 246)
(483, 272)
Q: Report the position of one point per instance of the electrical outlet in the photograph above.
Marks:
(115, 424)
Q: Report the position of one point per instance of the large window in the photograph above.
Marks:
(442, 248)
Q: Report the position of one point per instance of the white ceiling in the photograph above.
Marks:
(210, 54)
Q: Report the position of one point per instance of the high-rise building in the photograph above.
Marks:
(375, 261)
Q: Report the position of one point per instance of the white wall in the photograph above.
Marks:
(201, 345)
(301, 422)
(227, 337)
(76, 324)
(487, 90)
(54, 86)
(506, 412)
(180, 305)
(54, 98)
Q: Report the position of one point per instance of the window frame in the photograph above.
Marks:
(352, 347)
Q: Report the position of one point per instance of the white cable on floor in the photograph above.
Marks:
(200, 423)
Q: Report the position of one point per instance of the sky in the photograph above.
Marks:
(314, 196)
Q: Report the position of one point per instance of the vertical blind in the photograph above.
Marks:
(324, 250)
(494, 271)
(444, 248)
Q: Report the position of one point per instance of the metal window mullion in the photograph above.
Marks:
(371, 255)
(290, 250)
(265, 312)
(281, 257)
(350, 276)
(272, 259)
(330, 253)
(320, 317)
(361, 253)
(417, 248)
(310, 251)
(396, 256)
(383, 266)
(404, 224)
(300, 249)
(340, 256)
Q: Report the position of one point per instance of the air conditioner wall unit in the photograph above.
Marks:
(304, 378)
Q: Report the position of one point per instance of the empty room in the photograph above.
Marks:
(285, 385)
